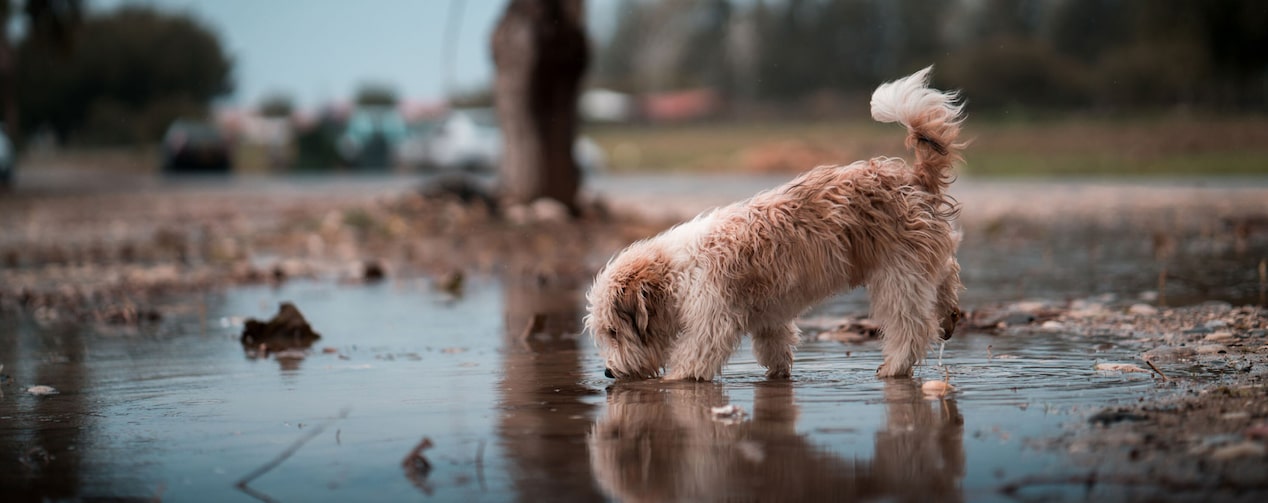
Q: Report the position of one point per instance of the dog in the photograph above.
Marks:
(682, 300)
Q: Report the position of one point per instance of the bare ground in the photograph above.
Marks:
(114, 256)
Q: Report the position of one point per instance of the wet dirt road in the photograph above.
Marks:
(179, 410)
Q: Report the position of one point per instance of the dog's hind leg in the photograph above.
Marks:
(903, 302)
(773, 347)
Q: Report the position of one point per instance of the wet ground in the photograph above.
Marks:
(491, 370)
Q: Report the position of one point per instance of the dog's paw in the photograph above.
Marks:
(886, 371)
(778, 373)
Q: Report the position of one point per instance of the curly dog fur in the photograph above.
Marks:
(683, 300)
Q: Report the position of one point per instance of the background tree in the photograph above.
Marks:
(277, 106)
(540, 51)
(376, 95)
(51, 24)
(130, 73)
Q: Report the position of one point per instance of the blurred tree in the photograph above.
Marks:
(277, 106)
(540, 51)
(51, 24)
(130, 74)
(376, 95)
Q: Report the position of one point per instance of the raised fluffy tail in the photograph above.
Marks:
(932, 118)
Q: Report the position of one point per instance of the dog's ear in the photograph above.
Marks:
(633, 307)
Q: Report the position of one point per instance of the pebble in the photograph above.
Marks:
(1215, 324)
(1211, 349)
(1118, 367)
(1052, 325)
(1246, 449)
(1168, 353)
(42, 390)
(1143, 310)
(1218, 337)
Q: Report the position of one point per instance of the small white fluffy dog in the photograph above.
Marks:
(684, 299)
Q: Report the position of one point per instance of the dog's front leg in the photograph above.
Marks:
(773, 347)
(708, 338)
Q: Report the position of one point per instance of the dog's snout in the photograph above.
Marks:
(607, 372)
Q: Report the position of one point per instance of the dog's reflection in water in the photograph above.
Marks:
(660, 442)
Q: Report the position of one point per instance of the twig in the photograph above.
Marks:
(1151, 365)
(534, 324)
(242, 483)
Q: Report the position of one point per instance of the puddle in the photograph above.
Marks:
(181, 411)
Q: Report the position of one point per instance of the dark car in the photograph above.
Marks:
(196, 147)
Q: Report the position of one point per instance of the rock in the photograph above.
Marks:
(1052, 326)
(287, 329)
(42, 390)
(1118, 367)
(1211, 349)
(1107, 417)
(1219, 337)
(1168, 354)
(549, 210)
(1246, 449)
(1143, 310)
(1215, 324)
(372, 271)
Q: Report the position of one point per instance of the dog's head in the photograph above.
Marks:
(630, 313)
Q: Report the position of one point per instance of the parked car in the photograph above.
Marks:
(8, 161)
(191, 146)
(470, 140)
(372, 137)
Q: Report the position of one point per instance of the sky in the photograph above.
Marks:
(318, 51)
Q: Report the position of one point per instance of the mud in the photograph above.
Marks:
(130, 302)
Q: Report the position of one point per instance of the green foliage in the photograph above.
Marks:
(376, 95)
(1101, 55)
(129, 73)
(277, 106)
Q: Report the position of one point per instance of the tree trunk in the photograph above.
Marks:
(540, 50)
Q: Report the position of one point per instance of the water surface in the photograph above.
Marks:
(182, 411)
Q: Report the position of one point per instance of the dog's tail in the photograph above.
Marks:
(932, 118)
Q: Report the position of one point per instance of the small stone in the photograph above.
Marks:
(1218, 337)
(1215, 324)
(1052, 325)
(42, 390)
(1211, 349)
(1118, 367)
(1168, 354)
(1246, 449)
(1143, 310)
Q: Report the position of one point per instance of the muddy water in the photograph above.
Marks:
(183, 412)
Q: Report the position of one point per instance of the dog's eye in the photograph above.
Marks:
(612, 333)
